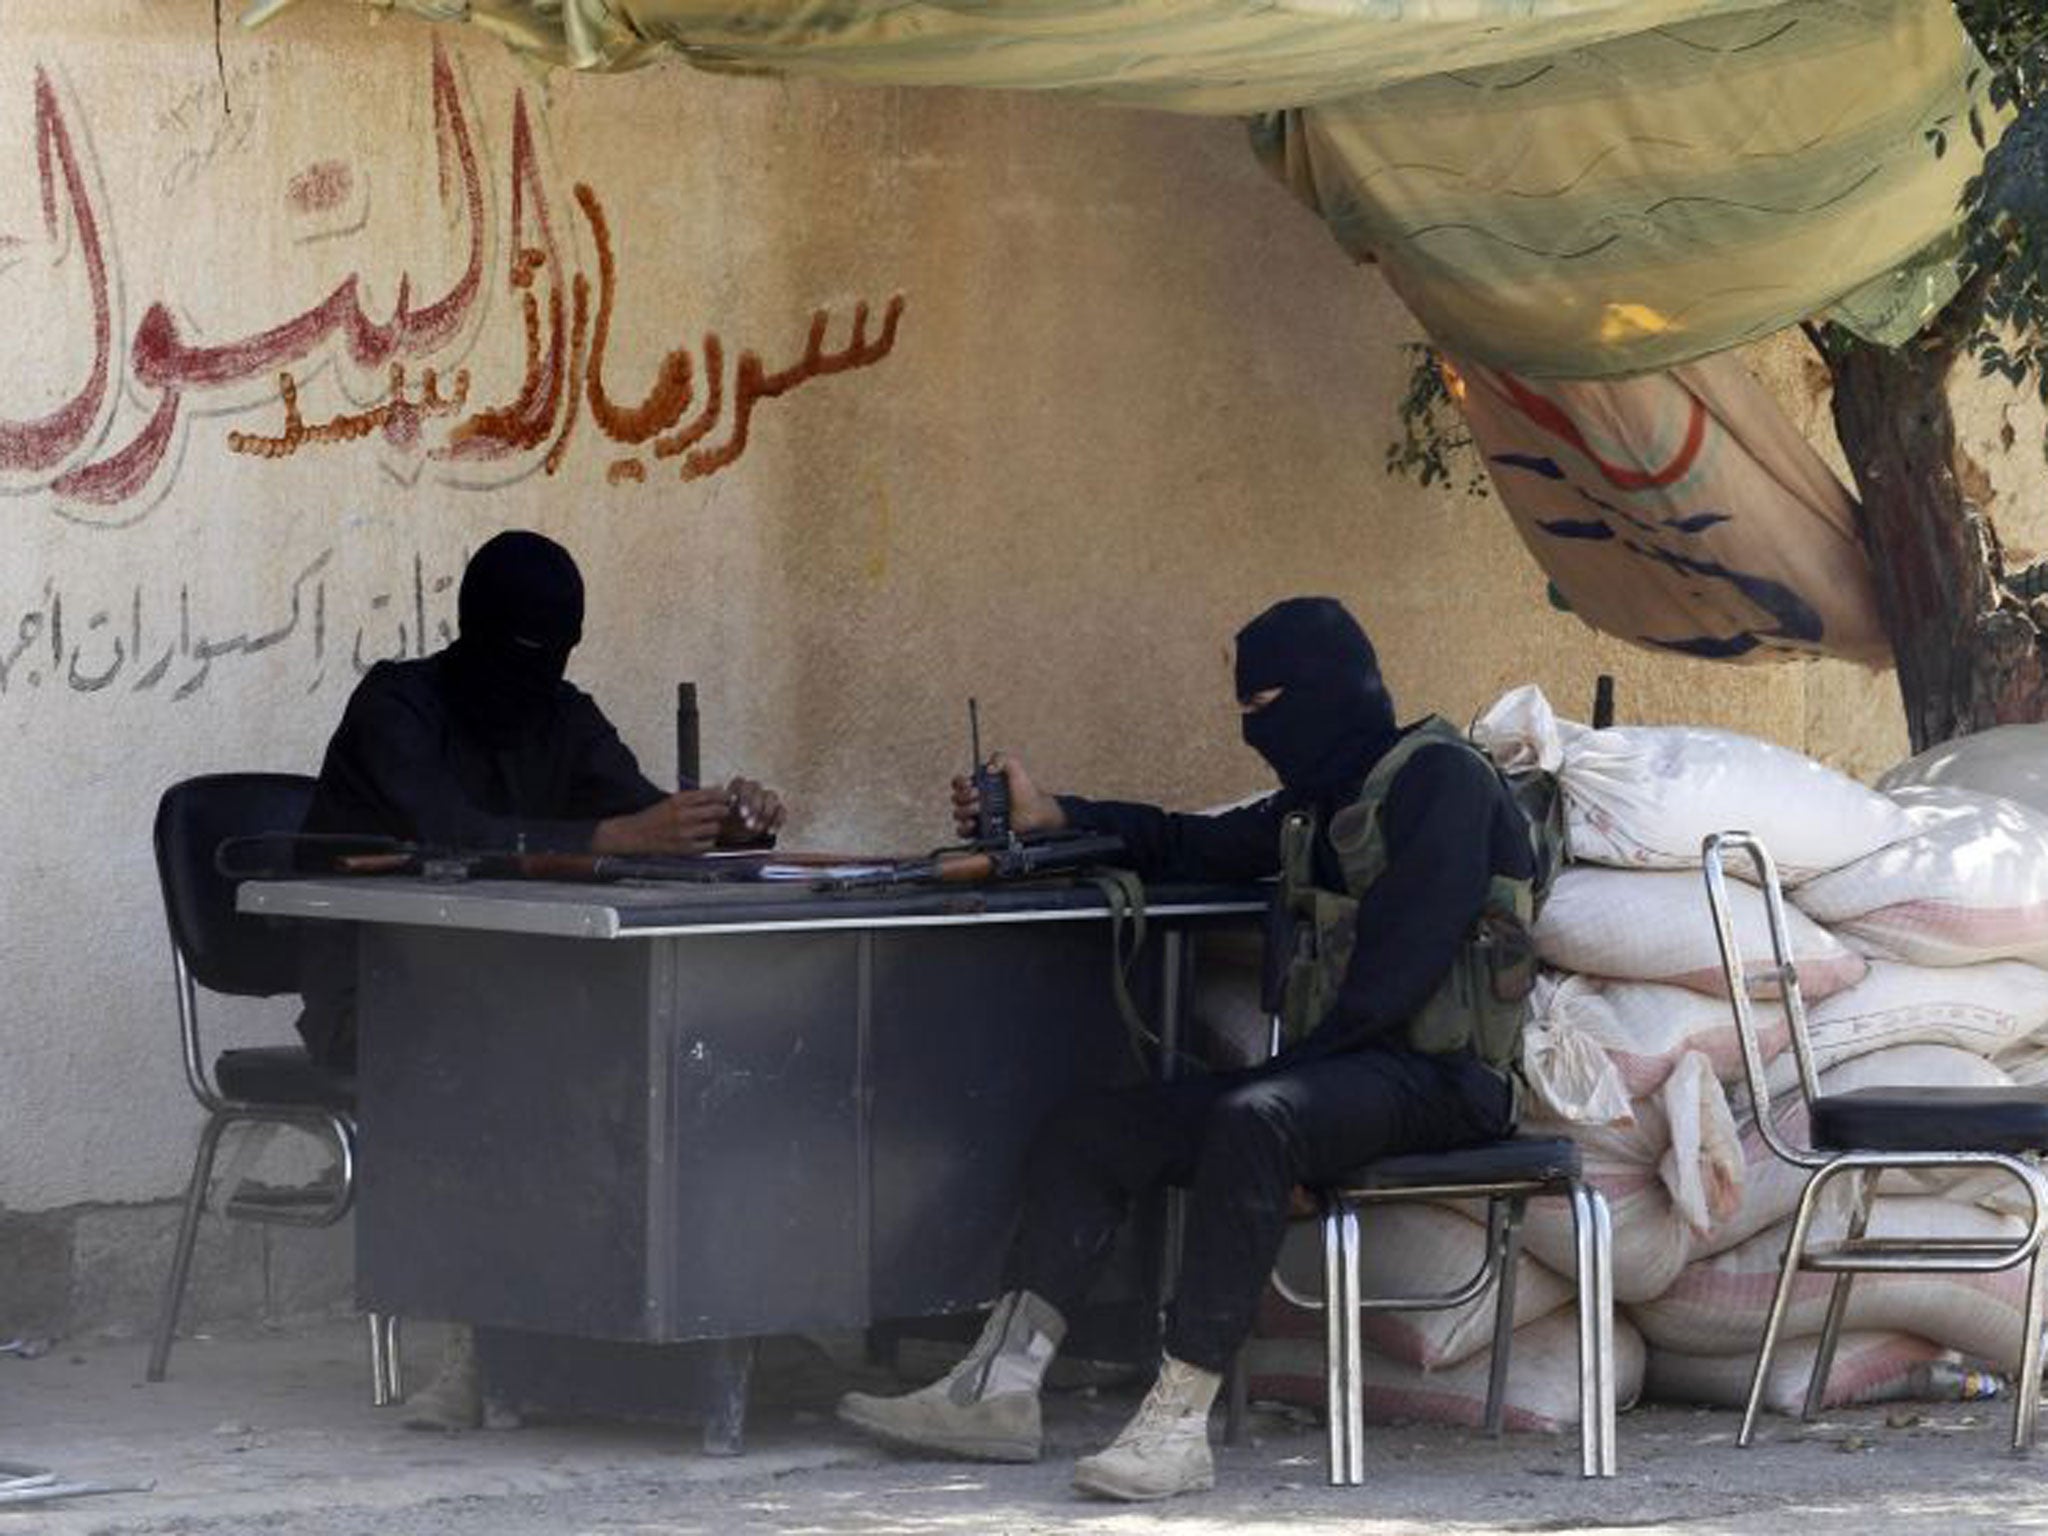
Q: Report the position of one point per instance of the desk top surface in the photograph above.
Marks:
(629, 910)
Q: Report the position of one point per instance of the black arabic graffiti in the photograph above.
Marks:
(152, 640)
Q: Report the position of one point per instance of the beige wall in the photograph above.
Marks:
(1135, 395)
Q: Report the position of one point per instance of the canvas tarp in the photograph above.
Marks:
(1567, 188)
(1680, 510)
(1663, 196)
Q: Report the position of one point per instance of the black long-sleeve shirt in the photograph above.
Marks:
(404, 763)
(1450, 826)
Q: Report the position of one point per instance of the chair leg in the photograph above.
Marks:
(1593, 1234)
(1344, 1396)
(394, 1358)
(1609, 1450)
(181, 1257)
(1504, 1237)
(1774, 1320)
(2027, 1390)
(1354, 1347)
(1838, 1305)
(387, 1386)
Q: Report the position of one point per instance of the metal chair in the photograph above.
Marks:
(215, 947)
(1507, 1175)
(1859, 1134)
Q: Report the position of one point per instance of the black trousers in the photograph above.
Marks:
(1239, 1142)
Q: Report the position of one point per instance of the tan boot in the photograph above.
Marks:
(453, 1400)
(1164, 1450)
(986, 1407)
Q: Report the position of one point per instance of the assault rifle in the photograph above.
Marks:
(286, 855)
(1048, 853)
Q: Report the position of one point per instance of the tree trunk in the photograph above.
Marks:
(1970, 654)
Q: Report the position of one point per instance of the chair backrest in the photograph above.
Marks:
(1779, 980)
(225, 950)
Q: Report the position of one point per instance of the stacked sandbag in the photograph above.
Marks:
(1918, 922)
(1432, 1366)
(1969, 885)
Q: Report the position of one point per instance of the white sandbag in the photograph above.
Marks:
(1640, 926)
(1412, 1250)
(1643, 1028)
(1542, 1387)
(1644, 797)
(1994, 1010)
(1521, 732)
(1660, 1172)
(1969, 884)
(1571, 1079)
(1669, 1175)
(1868, 1367)
(2009, 760)
(1718, 1305)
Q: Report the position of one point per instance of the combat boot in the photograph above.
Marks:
(986, 1407)
(1164, 1450)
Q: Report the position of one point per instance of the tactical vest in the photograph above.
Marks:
(1483, 1000)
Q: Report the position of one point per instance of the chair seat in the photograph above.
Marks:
(1932, 1120)
(1516, 1160)
(282, 1074)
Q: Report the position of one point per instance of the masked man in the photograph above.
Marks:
(1353, 1086)
(486, 746)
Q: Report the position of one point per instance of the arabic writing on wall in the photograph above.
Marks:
(153, 642)
(700, 415)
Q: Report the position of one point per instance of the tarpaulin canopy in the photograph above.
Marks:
(1663, 196)
(1567, 188)
(1230, 57)
(1680, 510)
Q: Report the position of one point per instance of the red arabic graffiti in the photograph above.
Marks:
(565, 343)
(39, 445)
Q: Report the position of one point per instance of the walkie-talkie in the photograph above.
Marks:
(992, 821)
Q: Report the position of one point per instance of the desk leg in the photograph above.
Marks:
(729, 1368)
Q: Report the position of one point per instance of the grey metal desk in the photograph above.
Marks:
(658, 1114)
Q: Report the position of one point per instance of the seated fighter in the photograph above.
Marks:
(1377, 1065)
(486, 746)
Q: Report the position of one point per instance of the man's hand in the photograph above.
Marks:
(753, 814)
(1031, 809)
(688, 822)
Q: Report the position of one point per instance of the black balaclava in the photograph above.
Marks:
(1333, 718)
(520, 613)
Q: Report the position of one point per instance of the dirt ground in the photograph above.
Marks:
(274, 1433)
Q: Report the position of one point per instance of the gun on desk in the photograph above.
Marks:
(282, 855)
(1059, 853)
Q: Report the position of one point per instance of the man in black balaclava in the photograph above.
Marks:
(1351, 1090)
(1314, 706)
(485, 746)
